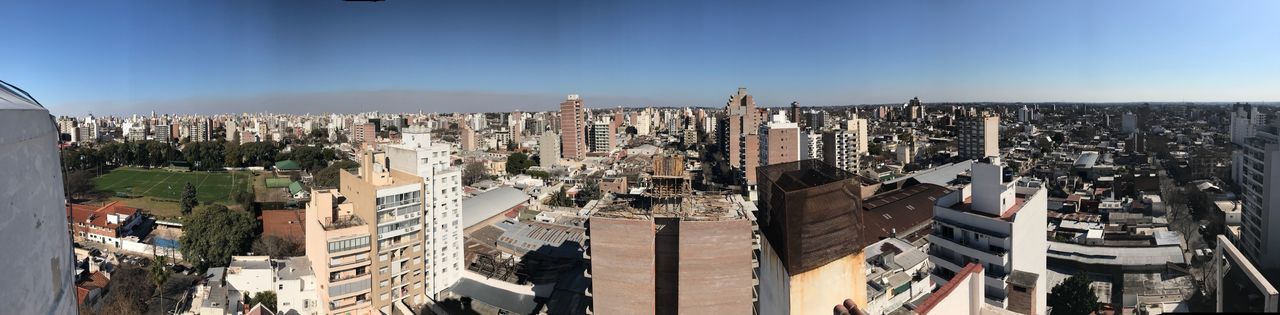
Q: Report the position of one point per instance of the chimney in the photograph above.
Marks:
(1022, 292)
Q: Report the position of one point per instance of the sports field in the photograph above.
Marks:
(164, 185)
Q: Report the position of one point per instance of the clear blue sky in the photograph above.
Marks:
(218, 56)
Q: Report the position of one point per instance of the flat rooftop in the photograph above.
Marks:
(700, 207)
(966, 205)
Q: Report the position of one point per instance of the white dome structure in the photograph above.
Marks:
(36, 262)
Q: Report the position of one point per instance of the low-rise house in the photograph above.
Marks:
(106, 224)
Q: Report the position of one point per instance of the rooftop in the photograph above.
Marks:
(967, 206)
(698, 207)
(97, 215)
(283, 224)
(803, 174)
(899, 211)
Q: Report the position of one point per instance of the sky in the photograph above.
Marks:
(122, 57)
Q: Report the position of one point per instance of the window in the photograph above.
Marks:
(383, 284)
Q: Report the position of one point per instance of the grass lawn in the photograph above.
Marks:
(159, 191)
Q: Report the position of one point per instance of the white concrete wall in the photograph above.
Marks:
(774, 283)
(1029, 243)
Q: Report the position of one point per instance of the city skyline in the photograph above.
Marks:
(397, 56)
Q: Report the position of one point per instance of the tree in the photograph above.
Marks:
(79, 183)
(473, 172)
(213, 233)
(267, 298)
(589, 192)
(631, 130)
(328, 177)
(277, 247)
(1073, 296)
(560, 199)
(189, 201)
(518, 162)
(159, 273)
(126, 291)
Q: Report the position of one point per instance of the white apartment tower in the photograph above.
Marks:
(999, 224)
(442, 203)
(1244, 121)
(1260, 184)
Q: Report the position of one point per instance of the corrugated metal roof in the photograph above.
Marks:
(490, 203)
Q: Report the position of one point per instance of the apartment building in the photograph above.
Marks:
(998, 223)
(845, 147)
(780, 141)
(419, 155)
(366, 132)
(740, 141)
(979, 135)
(694, 256)
(1260, 186)
(369, 253)
(603, 135)
(573, 119)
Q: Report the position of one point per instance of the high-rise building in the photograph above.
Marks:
(549, 150)
(162, 132)
(1260, 187)
(844, 148)
(693, 256)
(794, 115)
(998, 223)
(364, 133)
(739, 140)
(979, 135)
(573, 120)
(467, 139)
(780, 141)
(811, 253)
(603, 135)
(367, 248)
(1128, 123)
(417, 154)
(814, 120)
(1244, 119)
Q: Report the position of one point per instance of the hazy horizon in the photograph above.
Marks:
(297, 57)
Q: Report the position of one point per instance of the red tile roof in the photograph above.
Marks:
(97, 280)
(946, 289)
(97, 216)
(284, 224)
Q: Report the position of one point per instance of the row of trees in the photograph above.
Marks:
(201, 155)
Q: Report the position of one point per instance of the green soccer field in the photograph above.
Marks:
(168, 186)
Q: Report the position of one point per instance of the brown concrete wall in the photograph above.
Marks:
(1022, 302)
(622, 266)
(715, 267)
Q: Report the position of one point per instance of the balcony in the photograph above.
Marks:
(397, 204)
(335, 307)
(341, 222)
(969, 249)
(349, 260)
(348, 276)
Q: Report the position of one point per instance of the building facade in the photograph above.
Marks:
(1260, 186)
(573, 119)
(978, 135)
(441, 203)
(999, 225)
(691, 257)
(780, 141)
